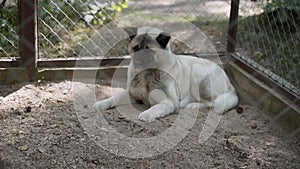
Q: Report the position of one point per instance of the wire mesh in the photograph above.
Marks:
(8, 29)
(270, 38)
(61, 30)
(64, 25)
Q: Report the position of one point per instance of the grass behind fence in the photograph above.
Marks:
(272, 39)
(9, 31)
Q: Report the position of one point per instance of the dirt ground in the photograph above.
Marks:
(40, 129)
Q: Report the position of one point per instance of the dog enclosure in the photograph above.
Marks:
(258, 42)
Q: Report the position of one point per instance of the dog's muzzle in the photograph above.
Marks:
(144, 59)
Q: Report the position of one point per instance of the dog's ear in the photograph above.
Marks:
(163, 39)
(131, 31)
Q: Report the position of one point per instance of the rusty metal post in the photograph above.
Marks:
(28, 39)
(233, 24)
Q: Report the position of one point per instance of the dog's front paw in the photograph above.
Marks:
(102, 105)
(147, 116)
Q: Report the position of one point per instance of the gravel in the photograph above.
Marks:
(39, 128)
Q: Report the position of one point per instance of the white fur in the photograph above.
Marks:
(196, 83)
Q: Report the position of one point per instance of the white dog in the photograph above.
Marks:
(168, 82)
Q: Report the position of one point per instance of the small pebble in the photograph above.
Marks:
(253, 125)
(23, 148)
(115, 143)
(60, 102)
(65, 92)
(170, 124)
(121, 117)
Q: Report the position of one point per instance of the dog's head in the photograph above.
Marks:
(144, 44)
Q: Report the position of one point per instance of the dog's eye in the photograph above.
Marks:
(147, 47)
(136, 48)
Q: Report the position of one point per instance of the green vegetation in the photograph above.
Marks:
(63, 25)
(8, 30)
(272, 38)
(282, 4)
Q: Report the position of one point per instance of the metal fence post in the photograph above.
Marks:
(28, 39)
(232, 28)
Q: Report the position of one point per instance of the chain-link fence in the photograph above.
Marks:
(64, 25)
(270, 41)
(8, 29)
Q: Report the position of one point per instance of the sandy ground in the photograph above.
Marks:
(206, 9)
(39, 128)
